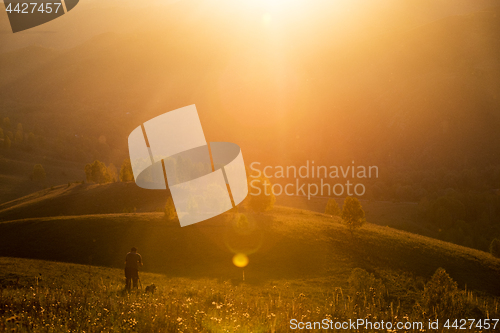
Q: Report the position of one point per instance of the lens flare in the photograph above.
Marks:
(240, 260)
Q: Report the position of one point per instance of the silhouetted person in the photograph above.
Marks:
(132, 262)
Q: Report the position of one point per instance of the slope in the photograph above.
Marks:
(84, 199)
(283, 244)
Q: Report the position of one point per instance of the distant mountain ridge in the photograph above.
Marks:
(431, 92)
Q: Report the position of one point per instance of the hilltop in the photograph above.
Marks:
(84, 199)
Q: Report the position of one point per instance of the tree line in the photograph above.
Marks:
(15, 135)
(98, 172)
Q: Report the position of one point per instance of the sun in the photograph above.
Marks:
(277, 6)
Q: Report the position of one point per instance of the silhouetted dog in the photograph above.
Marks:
(151, 288)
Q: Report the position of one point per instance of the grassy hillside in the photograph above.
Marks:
(16, 167)
(285, 243)
(398, 215)
(59, 297)
(84, 199)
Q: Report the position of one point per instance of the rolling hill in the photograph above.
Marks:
(283, 244)
(84, 199)
(16, 167)
(119, 197)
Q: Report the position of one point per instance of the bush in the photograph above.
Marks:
(352, 213)
(439, 294)
(495, 248)
(332, 208)
(364, 284)
(262, 197)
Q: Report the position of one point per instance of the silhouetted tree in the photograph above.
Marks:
(495, 247)
(126, 173)
(332, 208)
(352, 213)
(97, 172)
(261, 195)
(38, 173)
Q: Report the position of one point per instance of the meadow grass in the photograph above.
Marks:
(41, 296)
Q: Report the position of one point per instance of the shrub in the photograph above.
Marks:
(352, 213)
(439, 294)
(332, 208)
(495, 248)
(364, 284)
(262, 197)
